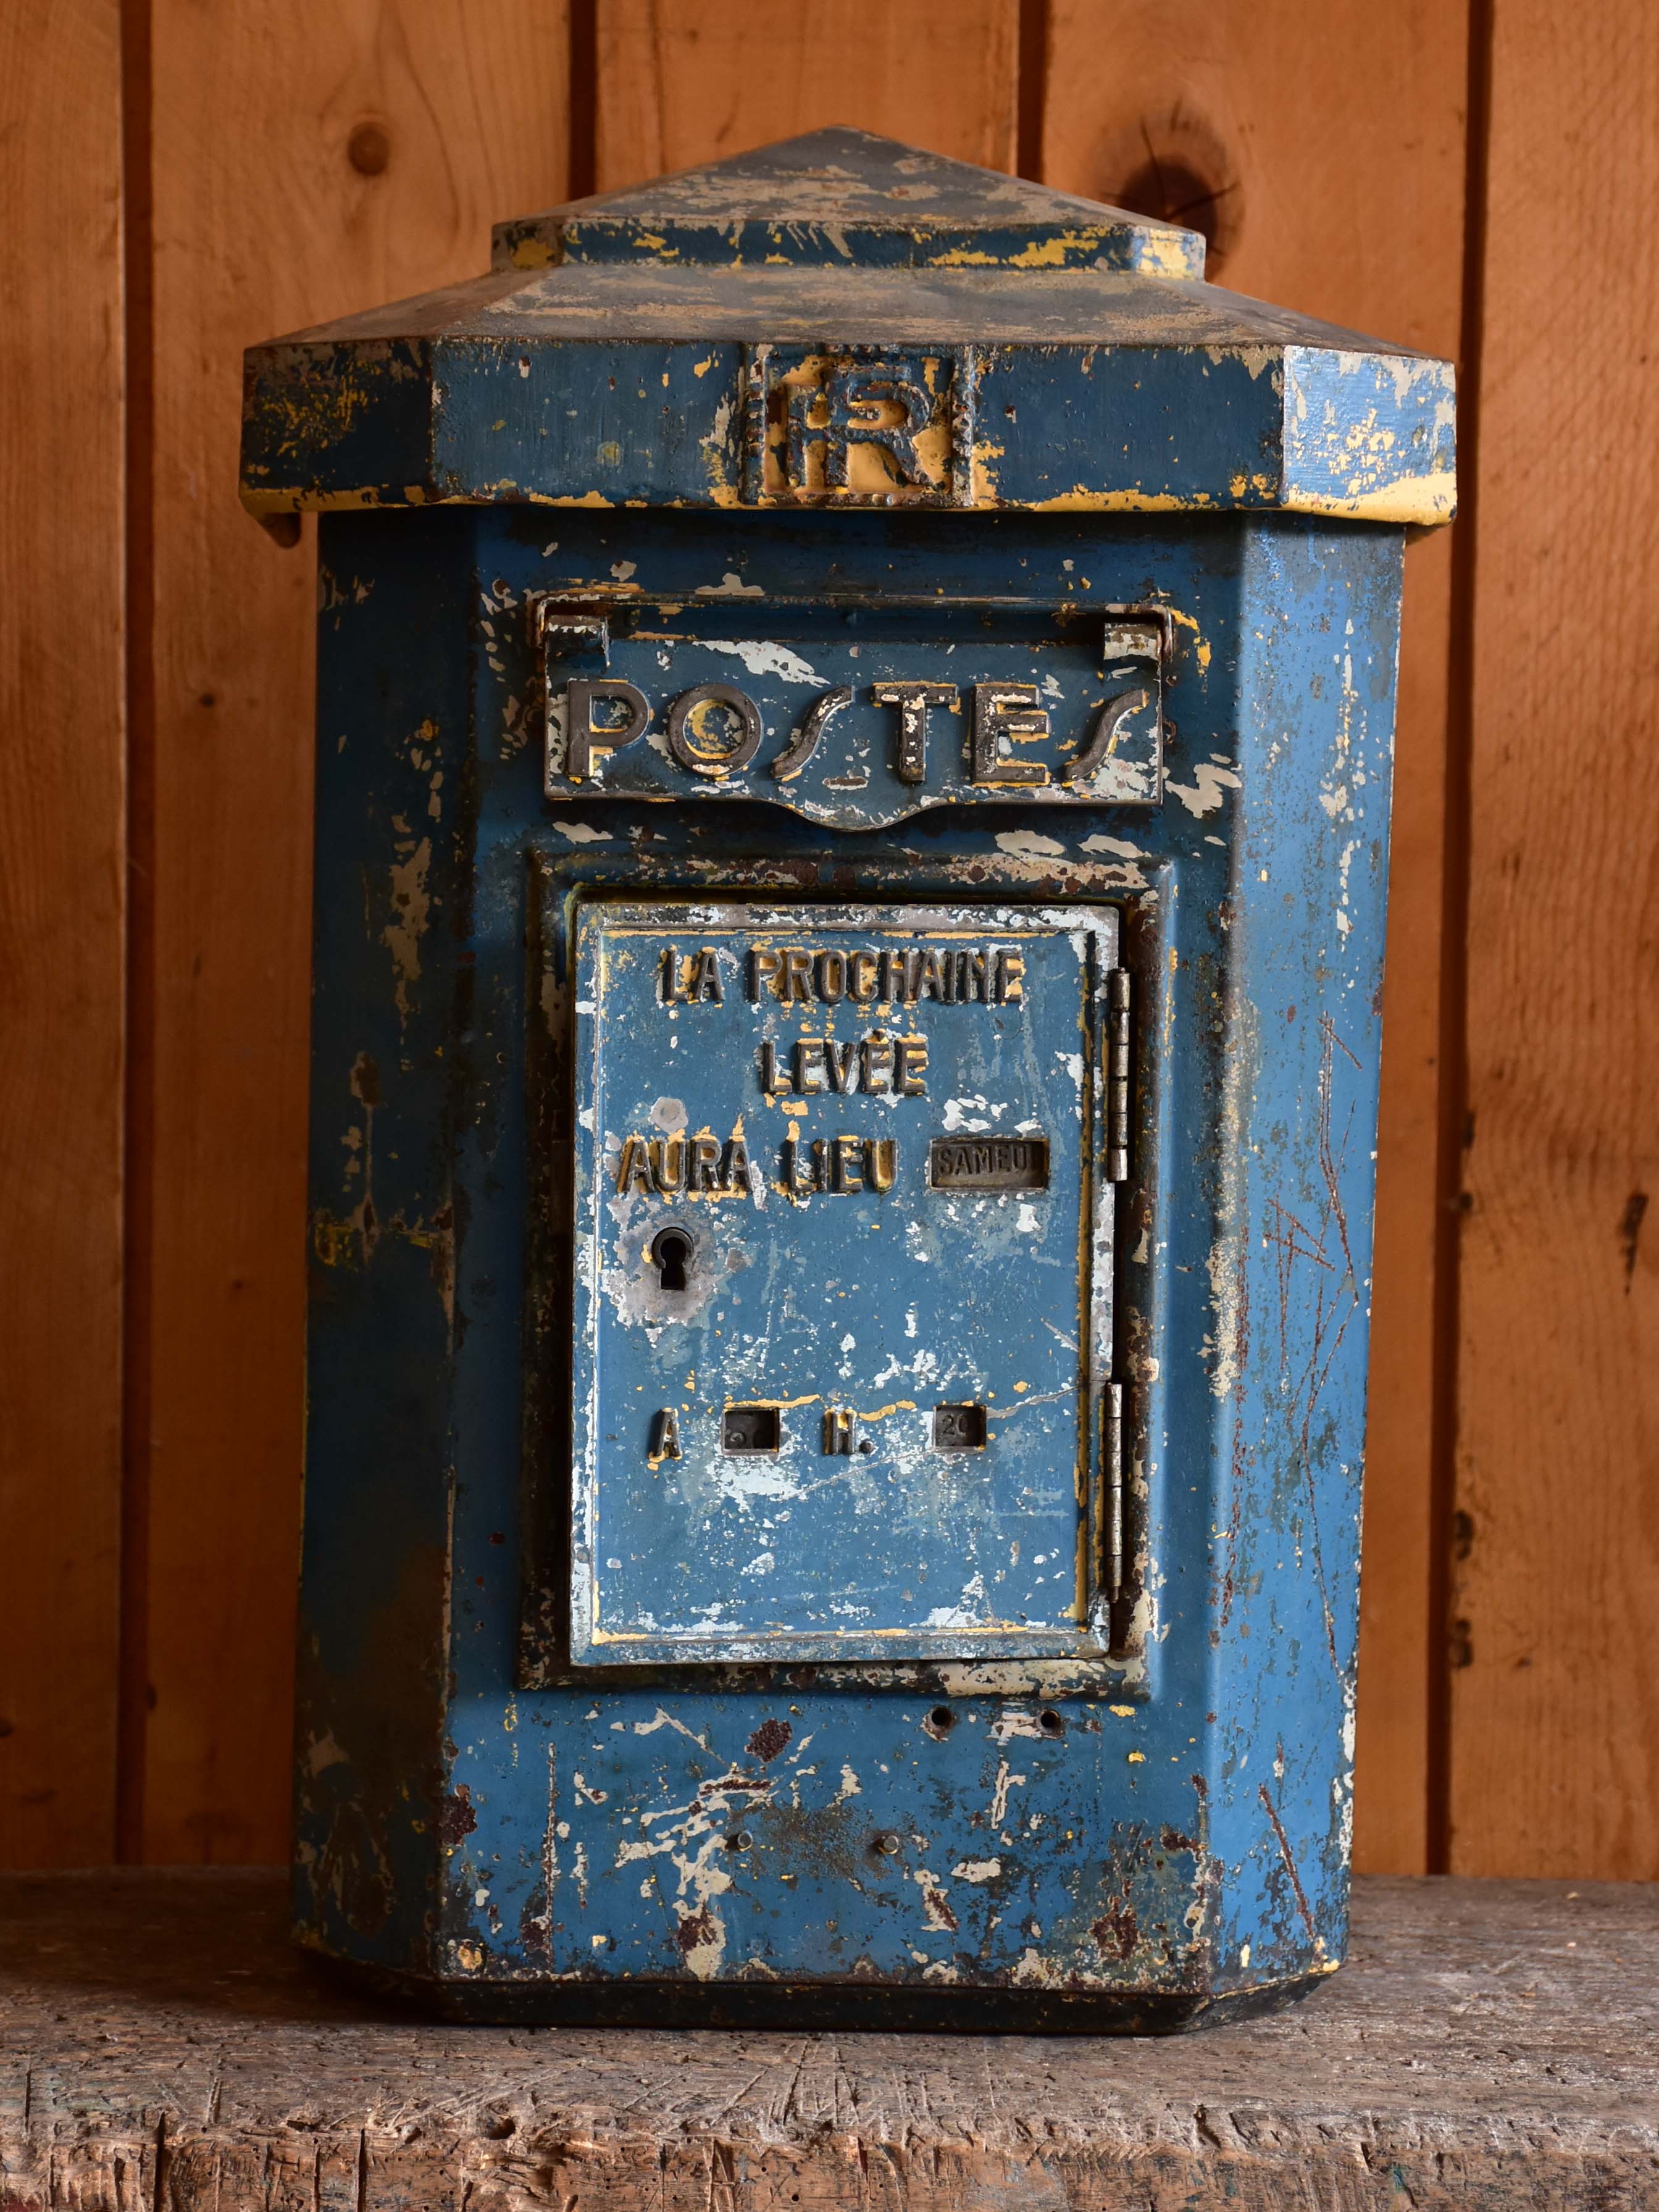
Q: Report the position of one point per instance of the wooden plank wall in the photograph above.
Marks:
(63, 857)
(275, 167)
(1554, 1741)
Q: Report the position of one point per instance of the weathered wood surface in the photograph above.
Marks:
(1555, 1696)
(1489, 2045)
(682, 81)
(63, 833)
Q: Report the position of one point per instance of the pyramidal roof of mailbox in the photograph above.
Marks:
(846, 198)
(634, 348)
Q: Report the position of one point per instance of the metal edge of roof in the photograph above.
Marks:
(337, 422)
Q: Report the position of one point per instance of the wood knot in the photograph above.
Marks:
(368, 149)
(1173, 167)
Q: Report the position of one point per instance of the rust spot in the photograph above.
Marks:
(700, 1927)
(457, 1820)
(532, 1927)
(1117, 1931)
(1173, 1840)
(366, 1079)
(769, 1740)
(938, 1908)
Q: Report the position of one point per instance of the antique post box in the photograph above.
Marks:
(853, 764)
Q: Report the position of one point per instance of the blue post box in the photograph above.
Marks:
(853, 736)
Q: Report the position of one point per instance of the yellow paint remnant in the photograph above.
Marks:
(1053, 252)
(1424, 501)
(402, 935)
(1081, 499)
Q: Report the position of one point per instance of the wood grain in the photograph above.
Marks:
(1555, 1743)
(62, 903)
(682, 81)
(1323, 148)
(1487, 2046)
(265, 219)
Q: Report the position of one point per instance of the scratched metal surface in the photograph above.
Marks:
(1140, 1815)
(1186, 1826)
(822, 1273)
(840, 196)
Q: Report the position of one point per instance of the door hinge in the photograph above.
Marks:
(1118, 989)
(1112, 1412)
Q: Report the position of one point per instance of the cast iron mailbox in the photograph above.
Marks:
(854, 725)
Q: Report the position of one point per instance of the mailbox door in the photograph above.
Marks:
(843, 1282)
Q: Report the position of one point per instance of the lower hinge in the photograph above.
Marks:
(1112, 1414)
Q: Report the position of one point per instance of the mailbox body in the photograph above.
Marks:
(927, 1590)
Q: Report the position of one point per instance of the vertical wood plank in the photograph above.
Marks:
(1324, 151)
(1555, 1705)
(308, 160)
(682, 81)
(61, 902)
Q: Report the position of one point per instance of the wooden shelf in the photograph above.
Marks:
(1489, 2043)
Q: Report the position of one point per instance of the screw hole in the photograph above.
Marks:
(1050, 1723)
(739, 1840)
(671, 1253)
(941, 1720)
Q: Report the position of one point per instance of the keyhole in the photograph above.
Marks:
(670, 1251)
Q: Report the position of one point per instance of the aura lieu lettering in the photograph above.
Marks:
(702, 1167)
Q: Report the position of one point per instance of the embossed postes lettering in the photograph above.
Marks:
(715, 730)
(853, 712)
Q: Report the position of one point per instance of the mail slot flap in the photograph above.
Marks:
(855, 716)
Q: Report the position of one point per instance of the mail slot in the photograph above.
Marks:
(855, 716)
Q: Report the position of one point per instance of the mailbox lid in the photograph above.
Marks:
(854, 1413)
(1004, 346)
